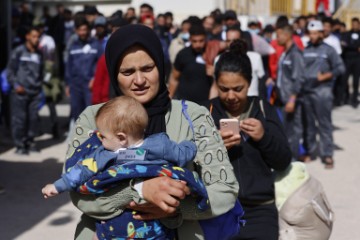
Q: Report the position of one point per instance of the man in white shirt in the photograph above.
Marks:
(330, 38)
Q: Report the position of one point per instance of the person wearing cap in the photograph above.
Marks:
(83, 55)
(290, 78)
(101, 31)
(323, 65)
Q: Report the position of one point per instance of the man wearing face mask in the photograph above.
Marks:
(181, 41)
(253, 27)
(80, 68)
(189, 80)
(323, 65)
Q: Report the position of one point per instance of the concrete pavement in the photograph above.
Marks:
(25, 215)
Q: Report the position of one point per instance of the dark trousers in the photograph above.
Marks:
(53, 114)
(60, 48)
(340, 90)
(262, 223)
(79, 100)
(352, 68)
(24, 118)
(5, 110)
(317, 107)
(293, 128)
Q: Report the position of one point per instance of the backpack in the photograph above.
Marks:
(304, 210)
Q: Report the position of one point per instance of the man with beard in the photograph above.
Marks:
(189, 80)
(80, 68)
(25, 75)
(323, 65)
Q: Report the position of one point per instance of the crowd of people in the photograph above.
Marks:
(280, 81)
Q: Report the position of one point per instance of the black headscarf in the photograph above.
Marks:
(119, 42)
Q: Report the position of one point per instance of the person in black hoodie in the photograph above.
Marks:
(259, 147)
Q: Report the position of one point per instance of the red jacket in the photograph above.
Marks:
(274, 58)
(100, 90)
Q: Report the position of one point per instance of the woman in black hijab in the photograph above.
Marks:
(135, 63)
(138, 36)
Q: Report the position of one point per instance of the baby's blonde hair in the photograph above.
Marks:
(123, 114)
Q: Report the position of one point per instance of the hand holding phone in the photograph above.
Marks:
(230, 124)
(229, 130)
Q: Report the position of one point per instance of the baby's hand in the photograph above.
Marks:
(49, 191)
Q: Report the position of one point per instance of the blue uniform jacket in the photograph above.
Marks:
(81, 64)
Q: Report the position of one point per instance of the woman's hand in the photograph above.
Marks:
(253, 128)
(148, 211)
(230, 139)
(165, 193)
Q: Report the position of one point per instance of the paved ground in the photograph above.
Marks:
(24, 214)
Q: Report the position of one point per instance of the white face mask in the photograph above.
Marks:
(185, 36)
(255, 31)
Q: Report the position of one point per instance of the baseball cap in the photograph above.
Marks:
(100, 21)
(315, 25)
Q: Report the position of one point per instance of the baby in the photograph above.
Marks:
(118, 151)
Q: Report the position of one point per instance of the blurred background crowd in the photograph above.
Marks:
(72, 40)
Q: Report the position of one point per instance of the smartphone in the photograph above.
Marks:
(230, 124)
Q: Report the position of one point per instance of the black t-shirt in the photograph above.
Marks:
(194, 84)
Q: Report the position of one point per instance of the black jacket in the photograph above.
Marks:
(351, 44)
(253, 161)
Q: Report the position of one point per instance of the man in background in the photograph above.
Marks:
(25, 75)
